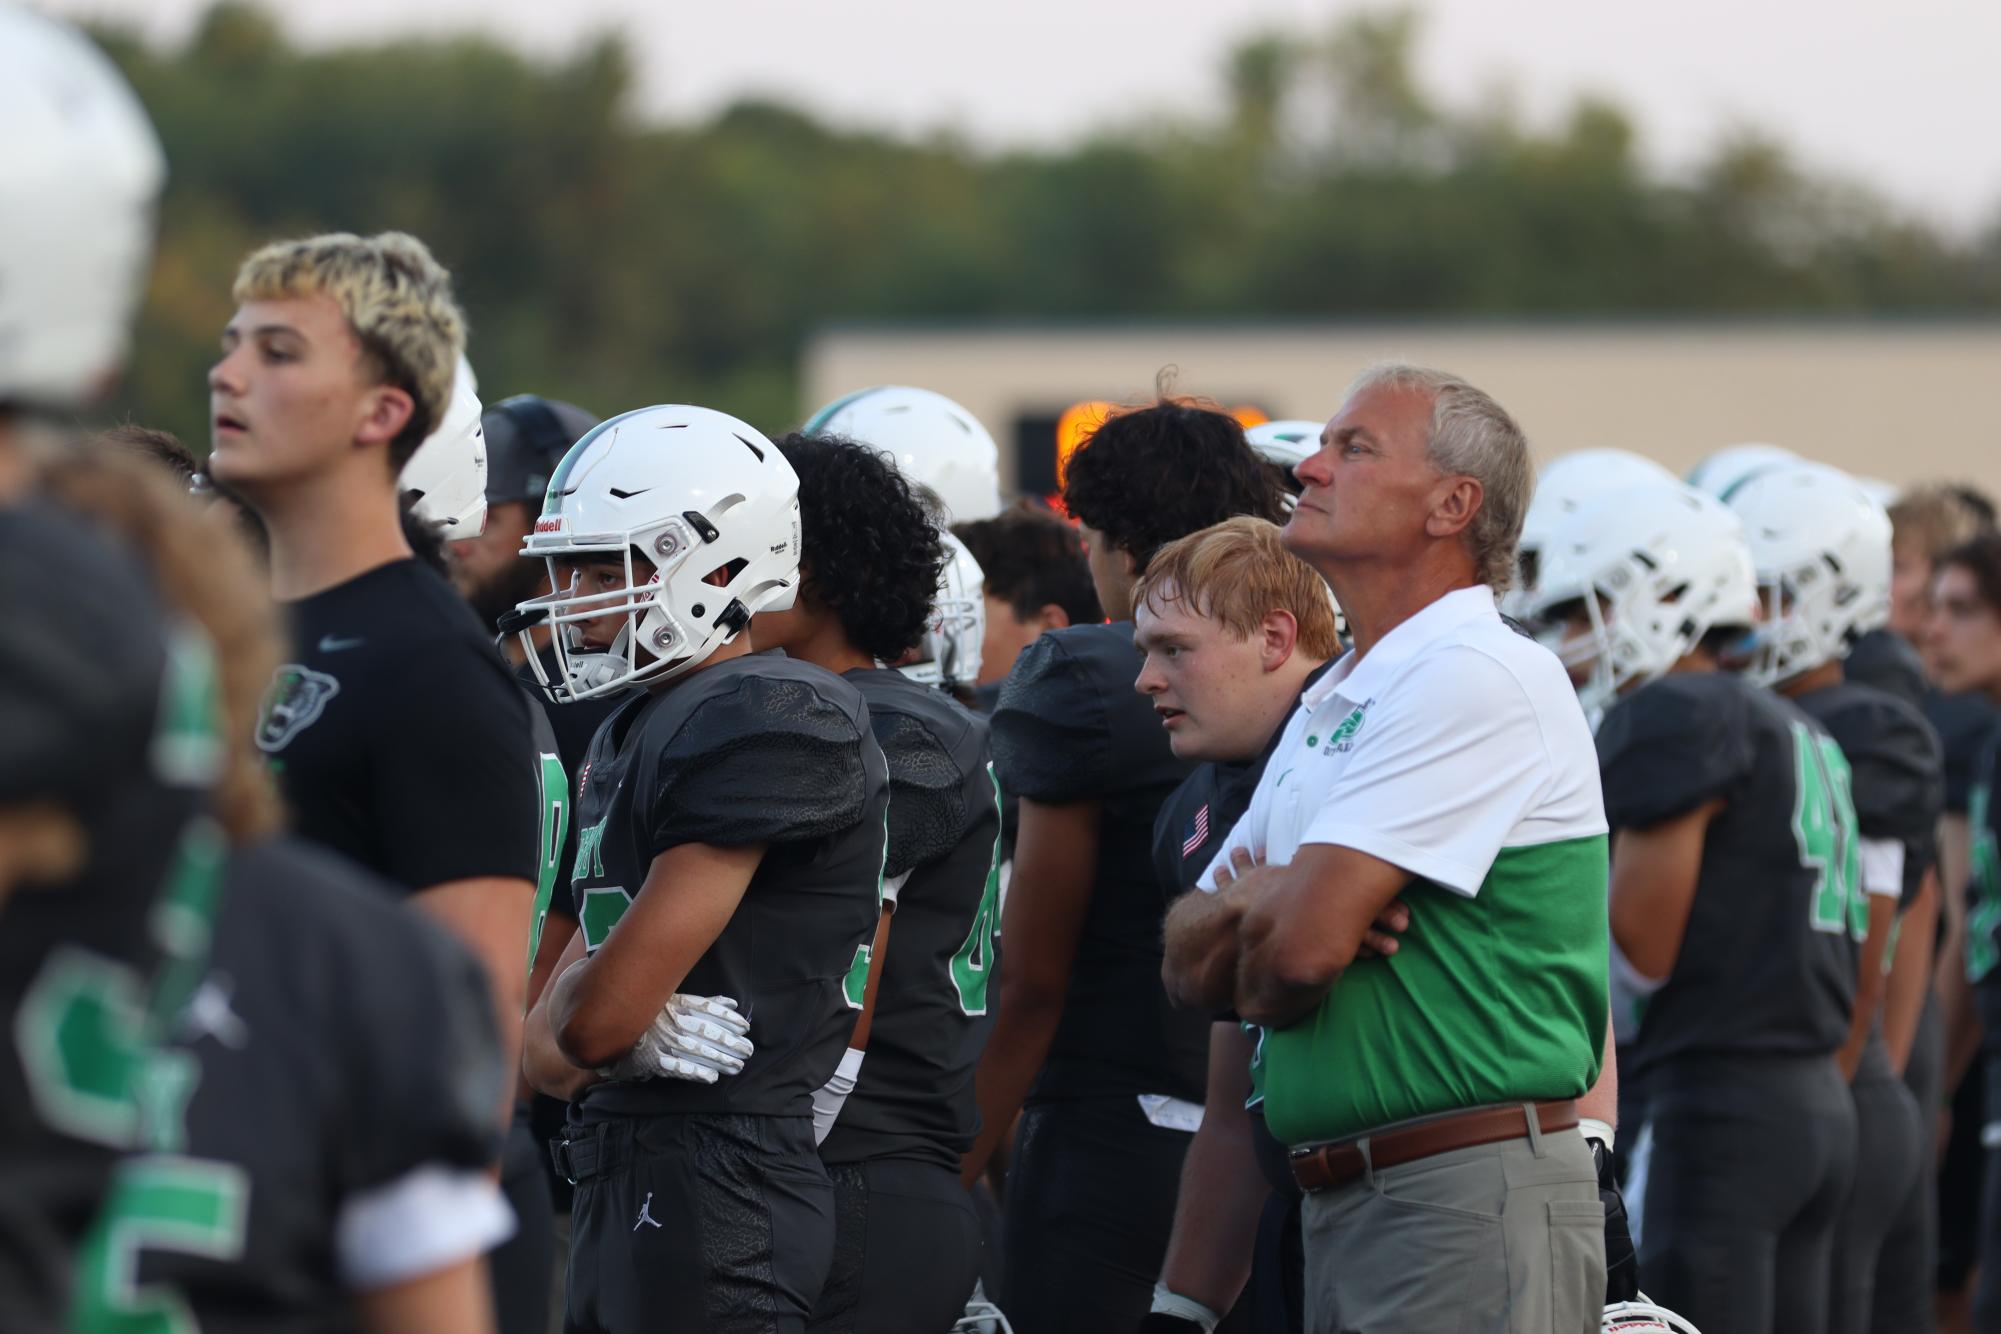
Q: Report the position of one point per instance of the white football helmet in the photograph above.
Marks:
(1821, 545)
(1643, 1317)
(80, 170)
(689, 490)
(935, 442)
(1560, 490)
(1656, 566)
(1727, 469)
(1286, 443)
(958, 628)
(448, 471)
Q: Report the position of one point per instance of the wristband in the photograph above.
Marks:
(1598, 1130)
(1184, 1308)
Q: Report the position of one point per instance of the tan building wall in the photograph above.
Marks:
(1896, 400)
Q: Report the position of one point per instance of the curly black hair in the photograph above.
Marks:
(869, 547)
(1031, 558)
(1161, 472)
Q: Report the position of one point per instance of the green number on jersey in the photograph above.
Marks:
(555, 785)
(1984, 911)
(185, 1205)
(972, 966)
(1824, 826)
(599, 913)
(855, 985)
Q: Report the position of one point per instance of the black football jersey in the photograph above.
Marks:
(937, 999)
(555, 805)
(89, 967)
(1070, 727)
(1886, 661)
(757, 749)
(1768, 960)
(343, 1043)
(1896, 768)
(399, 737)
(1965, 724)
(1983, 895)
(573, 725)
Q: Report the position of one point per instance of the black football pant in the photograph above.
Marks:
(696, 1224)
(1987, 1294)
(1274, 1301)
(518, 1268)
(1886, 1199)
(1907, 1267)
(906, 1249)
(1090, 1204)
(1962, 1183)
(1750, 1160)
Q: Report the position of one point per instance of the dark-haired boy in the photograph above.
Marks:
(1108, 1076)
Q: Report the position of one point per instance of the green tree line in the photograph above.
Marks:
(617, 262)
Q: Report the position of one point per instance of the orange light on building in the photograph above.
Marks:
(1081, 420)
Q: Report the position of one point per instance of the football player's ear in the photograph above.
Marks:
(385, 412)
(1279, 633)
(1051, 616)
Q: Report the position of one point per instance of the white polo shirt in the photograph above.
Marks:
(1454, 749)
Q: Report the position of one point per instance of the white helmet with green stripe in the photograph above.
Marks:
(935, 442)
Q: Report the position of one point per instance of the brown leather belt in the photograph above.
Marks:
(1326, 1166)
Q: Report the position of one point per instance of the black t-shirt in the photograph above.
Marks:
(1885, 660)
(400, 738)
(1070, 727)
(343, 1044)
(758, 749)
(937, 999)
(1767, 963)
(1965, 723)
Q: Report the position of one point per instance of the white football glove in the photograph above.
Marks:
(700, 1038)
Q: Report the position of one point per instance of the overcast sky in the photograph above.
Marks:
(1904, 96)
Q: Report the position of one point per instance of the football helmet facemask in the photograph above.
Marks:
(690, 492)
(935, 443)
(1821, 545)
(957, 631)
(1643, 1317)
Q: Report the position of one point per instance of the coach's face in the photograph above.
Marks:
(1371, 487)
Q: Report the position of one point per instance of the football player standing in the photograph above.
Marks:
(906, 1242)
(1733, 897)
(1233, 626)
(312, 1156)
(1963, 644)
(399, 738)
(733, 814)
(1107, 1074)
(1821, 545)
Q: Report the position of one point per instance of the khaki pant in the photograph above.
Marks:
(1497, 1239)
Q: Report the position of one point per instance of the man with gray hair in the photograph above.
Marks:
(1430, 1095)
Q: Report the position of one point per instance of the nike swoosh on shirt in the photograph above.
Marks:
(335, 644)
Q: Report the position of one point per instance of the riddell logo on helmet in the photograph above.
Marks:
(550, 524)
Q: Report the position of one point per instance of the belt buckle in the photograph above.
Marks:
(568, 1164)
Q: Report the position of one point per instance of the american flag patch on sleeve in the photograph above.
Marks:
(1198, 832)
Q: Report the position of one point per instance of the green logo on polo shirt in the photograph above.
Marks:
(1343, 736)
